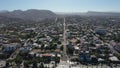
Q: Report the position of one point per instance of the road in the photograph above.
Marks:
(14, 54)
(112, 49)
(64, 41)
(56, 19)
(63, 62)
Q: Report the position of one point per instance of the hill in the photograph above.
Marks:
(32, 14)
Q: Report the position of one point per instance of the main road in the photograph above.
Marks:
(63, 63)
(64, 41)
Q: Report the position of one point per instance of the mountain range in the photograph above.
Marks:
(31, 14)
(38, 15)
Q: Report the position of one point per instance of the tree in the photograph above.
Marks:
(59, 42)
(42, 46)
(41, 65)
(70, 49)
(7, 65)
(39, 42)
(26, 64)
(61, 48)
(18, 59)
(34, 65)
(77, 42)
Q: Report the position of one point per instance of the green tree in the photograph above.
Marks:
(34, 65)
(18, 60)
(41, 65)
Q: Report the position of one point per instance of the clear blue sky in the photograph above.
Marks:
(62, 5)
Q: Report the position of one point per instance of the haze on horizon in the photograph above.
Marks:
(62, 5)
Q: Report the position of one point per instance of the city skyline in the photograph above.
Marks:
(62, 5)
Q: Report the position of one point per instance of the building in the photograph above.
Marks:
(2, 63)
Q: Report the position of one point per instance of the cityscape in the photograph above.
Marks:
(37, 38)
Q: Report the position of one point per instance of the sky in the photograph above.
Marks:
(62, 5)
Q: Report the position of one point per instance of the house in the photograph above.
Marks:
(94, 59)
(10, 47)
(76, 51)
(25, 49)
(29, 30)
(85, 57)
(113, 58)
(117, 47)
(101, 31)
(2, 63)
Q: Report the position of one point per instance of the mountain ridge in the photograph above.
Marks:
(31, 14)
